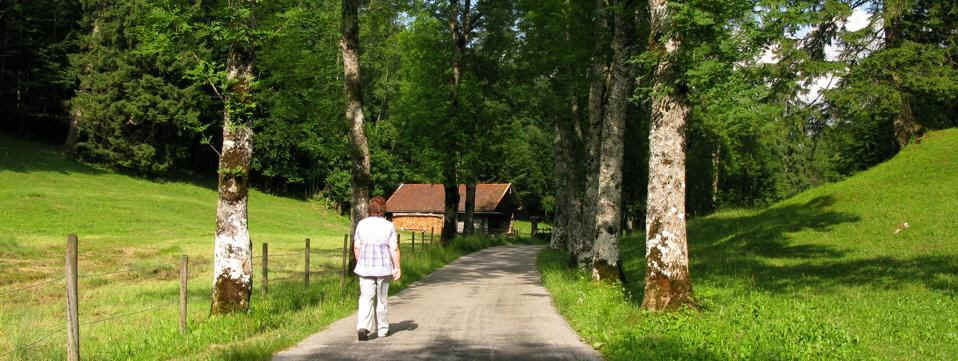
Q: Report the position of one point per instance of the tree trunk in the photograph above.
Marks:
(599, 78)
(608, 217)
(451, 203)
(560, 215)
(77, 112)
(361, 174)
(716, 164)
(905, 125)
(460, 37)
(467, 220)
(667, 282)
(233, 258)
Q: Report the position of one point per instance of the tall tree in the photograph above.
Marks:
(667, 282)
(592, 134)
(233, 258)
(462, 19)
(608, 215)
(354, 114)
(905, 125)
(77, 113)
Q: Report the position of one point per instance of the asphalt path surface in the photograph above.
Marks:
(488, 305)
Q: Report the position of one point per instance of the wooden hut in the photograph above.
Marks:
(420, 207)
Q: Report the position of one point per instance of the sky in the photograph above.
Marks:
(856, 21)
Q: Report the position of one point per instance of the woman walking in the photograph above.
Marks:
(377, 262)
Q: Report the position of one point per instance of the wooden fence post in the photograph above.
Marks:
(413, 242)
(73, 327)
(423, 234)
(265, 268)
(432, 232)
(306, 279)
(342, 283)
(534, 229)
(184, 279)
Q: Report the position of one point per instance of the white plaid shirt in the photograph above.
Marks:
(375, 239)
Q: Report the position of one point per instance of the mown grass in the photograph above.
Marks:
(132, 232)
(820, 276)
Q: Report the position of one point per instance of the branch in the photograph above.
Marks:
(473, 21)
(215, 89)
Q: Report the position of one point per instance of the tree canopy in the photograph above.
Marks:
(784, 95)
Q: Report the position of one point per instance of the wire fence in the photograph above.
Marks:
(72, 276)
(47, 337)
(284, 257)
(30, 287)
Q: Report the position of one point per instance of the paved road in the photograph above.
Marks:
(488, 305)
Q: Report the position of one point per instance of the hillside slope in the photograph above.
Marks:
(44, 196)
(832, 273)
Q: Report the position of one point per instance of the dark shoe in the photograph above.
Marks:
(363, 334)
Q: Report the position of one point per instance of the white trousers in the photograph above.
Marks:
(373, 288)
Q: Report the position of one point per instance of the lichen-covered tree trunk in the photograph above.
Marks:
(608, 216)
(233, 258)
(667, 282)
(233, 250)
(468, 227)
(361, 173)
(599, 77)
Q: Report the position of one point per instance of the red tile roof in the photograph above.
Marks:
(428, 198)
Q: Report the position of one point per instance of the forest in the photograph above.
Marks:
(561, 98)
(783, 95)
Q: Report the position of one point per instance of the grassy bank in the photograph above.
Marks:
(132, 232)
(821, 276)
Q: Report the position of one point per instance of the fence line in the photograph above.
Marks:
(286, 254)
(125, 314)
(71, 278)
(106, 274)
(30, 287)
(37, 342)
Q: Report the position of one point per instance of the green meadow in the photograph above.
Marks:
(830, 274)
(132, 233)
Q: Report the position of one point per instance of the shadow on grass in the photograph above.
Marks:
(758, 249)
(23, 156)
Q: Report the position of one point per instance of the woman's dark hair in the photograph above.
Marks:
(377, 206)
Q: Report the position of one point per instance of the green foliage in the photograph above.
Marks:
(133, 114)
(919, 78)
(831, 273)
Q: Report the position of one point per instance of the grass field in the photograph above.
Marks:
(132, 232)
(821, 276)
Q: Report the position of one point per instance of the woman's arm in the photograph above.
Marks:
(397, 268)
(394, 246)
(356, 247)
